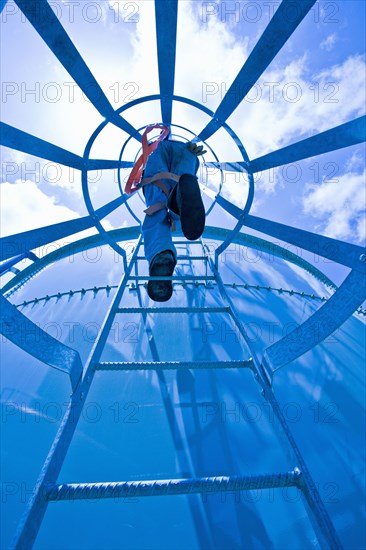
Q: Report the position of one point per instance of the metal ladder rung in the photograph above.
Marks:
(173, 310)
(186, 242)
(186, 257)
(173, 278)
(181, 242)
(172, 365)
(162, 487)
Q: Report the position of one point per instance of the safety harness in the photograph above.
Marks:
(135, 181)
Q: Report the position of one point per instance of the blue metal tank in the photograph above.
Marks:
(187, 422)
(232, 417)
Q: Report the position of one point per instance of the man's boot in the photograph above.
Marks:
(163, 265)
(186, 201)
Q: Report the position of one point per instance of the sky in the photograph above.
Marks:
(316, 82)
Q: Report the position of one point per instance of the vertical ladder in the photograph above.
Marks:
(47, 487)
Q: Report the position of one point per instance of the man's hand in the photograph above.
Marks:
(196, 149)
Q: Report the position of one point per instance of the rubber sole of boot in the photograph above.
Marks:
(190, 204)
(162, 265)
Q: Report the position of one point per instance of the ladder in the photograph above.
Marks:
(48, 489)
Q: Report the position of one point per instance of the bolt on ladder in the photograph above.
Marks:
(47, 487)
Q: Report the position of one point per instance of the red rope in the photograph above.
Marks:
(134, 178)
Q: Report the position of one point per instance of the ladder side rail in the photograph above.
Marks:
(36, 508)
(182, 456)
(318, 515)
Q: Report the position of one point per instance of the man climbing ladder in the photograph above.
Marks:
(172, 194)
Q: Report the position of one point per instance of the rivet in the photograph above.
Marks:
(363, 258)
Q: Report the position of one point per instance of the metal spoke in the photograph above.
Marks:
(28, 336)
(166, 14)
(345, 135)
(347, 254)
(27, 143)
(344, 253)
(44, 20)
(21, 242)
(2, 5)
(288, 16)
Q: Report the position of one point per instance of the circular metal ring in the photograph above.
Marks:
(137, 154)
(93, 137)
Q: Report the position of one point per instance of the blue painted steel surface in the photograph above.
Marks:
(321, 521)
(134, 232)
(345, 135)
(195, 438)
(324, 322)
(166, 15)
(7, 265)
(286, 19)
(2, 4)
(36, 507)
(44, 20)
(319, 326)
(28, 336)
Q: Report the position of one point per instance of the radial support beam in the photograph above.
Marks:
(345, 135)
(166, 15)
(166, 487)
(347, 254)
(31, 145)
(46, 23)
(27, 143)
(28, 336)
(28, 240)
(319, 326)
(2, 5)
(8, 264)
(286, 19)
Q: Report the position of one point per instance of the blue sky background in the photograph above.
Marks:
(316, 82)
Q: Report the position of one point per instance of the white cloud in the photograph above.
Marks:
(340, 206)
(355, 162)
(26, 207)
(328, 43)
(294, 104)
